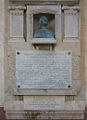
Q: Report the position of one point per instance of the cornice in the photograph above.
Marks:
(71, 8)
(43, 0)
(16, 7)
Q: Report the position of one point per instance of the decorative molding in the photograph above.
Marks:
(70, 12)
(16, 12)
(42, 0)
(28, 92)
(44, 9)
(16, 7)
(71, 8)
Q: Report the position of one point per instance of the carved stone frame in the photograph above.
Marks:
(31, 10)
(72, 10)
(17, 11)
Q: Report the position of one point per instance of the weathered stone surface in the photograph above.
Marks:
(16, 23)
(2, 75)
(76, 72)
(51, 92)
(44, 103)
(75, 105)
(45, 115)
(73, 108)
(71, 23)
(14, 105)
(2, 46)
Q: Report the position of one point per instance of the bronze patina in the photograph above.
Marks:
(44, 31)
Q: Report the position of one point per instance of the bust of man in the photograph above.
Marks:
(43, 32)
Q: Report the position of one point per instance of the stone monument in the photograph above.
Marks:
(44, 73)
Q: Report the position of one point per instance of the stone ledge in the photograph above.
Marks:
(43, 41)
(46, 115)
(43, 0)
(16, 39)
(71, 8)
(63, 92)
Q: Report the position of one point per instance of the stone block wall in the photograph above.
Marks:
(3, 117)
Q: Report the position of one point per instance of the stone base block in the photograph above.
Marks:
(45, 115)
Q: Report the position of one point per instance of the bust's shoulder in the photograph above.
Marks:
(43, 33)
(37, 32)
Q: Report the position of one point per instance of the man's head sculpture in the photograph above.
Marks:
(43, 32)
(43, 21)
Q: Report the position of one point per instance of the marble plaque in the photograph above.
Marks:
(43, 69)
(44, 102)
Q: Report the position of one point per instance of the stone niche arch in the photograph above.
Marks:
(32, 10)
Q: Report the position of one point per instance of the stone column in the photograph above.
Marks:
(2, 44)
(85, 50)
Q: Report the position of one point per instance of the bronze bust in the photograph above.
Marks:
(43, 32)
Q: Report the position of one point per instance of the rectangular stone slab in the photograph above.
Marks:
(43, 69)
(44, 103)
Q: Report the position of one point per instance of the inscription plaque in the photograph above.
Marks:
(43, 69)
(44, 102)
